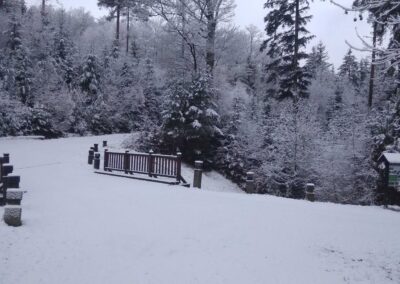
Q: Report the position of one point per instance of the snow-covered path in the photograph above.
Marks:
(85, 228)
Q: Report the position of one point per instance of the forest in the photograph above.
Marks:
(182, 74)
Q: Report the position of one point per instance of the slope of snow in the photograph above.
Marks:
(80, 227)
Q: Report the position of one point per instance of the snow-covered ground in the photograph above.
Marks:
(80, 227)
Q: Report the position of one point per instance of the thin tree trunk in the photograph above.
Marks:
(128, 27)
(296, 37)
(118, 22)
(210, 44)
(372, 76)
(43, 7)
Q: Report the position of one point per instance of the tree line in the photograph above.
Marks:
(185, 77)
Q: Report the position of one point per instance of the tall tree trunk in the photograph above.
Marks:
(118, 22)
(43, 7)
(372, 75)
(296, 38)
(211, 30)
(128, 28)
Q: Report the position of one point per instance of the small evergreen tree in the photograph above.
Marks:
(90, 79)
(350, 69)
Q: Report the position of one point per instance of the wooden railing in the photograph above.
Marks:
(153, 165)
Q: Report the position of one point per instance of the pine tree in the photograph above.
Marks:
(287, 37)
(90, 79)
(317, 60)
(190, 120)
(151, 95)
(62, 52)
(19, 62)
(350, 69)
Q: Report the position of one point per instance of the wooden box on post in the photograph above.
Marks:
(198, 172)
(91, 157)
(310, 192)
(96, 161)
(250, 183)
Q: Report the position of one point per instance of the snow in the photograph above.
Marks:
(393, 158)
(79, 227)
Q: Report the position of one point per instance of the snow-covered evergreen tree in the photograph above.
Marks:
(287, 38)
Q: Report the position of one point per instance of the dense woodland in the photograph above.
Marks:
(185, 77)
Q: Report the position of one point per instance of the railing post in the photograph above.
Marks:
(105, 163)
(178, 166)
(96, 148)
(198, 172)
(310, 195)
(126, 162)
(91, 157)
(150, 163)
(96, 163)
(250, 183)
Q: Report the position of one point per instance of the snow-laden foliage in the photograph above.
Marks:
(186, 80)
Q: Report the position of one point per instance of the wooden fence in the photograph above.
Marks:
(153, 165)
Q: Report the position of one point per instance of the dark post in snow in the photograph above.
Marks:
(12, 181)
(150, 163)
(104, 143)
(9, 182)
(91, 157)
(178, 166)
(96, 163)
(250, 183)
(6, 158)
(126, 162)
(105, 165)
(12, 216)
(310, 195)
(96, 148)
(14, 196)
(198, 172)
(7, 169)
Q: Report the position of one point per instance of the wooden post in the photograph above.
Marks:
(9, 182)
(6, 158)
(310, 194)
(198, 172)
(178, 166)
(7, 169)
(105, 165)
(104, 143)
(14, 196)
(12, 181)
(126, 162)
(150, 163)
(96, 163)
(250, 183)
(96, 148)
(91, 157)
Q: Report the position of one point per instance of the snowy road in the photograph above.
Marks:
(85, 228)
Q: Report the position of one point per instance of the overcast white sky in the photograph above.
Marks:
(329, 24)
